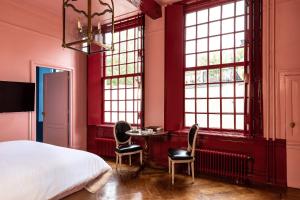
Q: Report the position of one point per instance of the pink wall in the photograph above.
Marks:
(154, 71)
(30, 36)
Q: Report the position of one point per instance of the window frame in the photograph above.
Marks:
(121, 25)
(195, 7)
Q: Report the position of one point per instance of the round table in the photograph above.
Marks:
(146, 134)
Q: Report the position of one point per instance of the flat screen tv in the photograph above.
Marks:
(16, 96)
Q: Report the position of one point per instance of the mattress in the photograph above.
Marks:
(36, 171)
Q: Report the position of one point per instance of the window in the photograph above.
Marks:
(122, 82)
(216, 61)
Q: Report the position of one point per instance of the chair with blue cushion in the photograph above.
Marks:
(182, 155)
(124, 146)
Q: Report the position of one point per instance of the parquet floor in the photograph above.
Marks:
(156, 185)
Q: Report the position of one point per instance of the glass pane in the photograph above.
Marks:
(114, 105)
(227, 105)
(130, 33)
(123, 47)
(130, 68)
(130, 57)
(228, 10)
(214, 121)
(189, 119)
(116, 48)
(202, 16)
(190, 47)
(228, 121)
(202, 120)
(202, 105)
(107, 84)
(202, 91)
(201, 76)
(114, 83)
(190, 77)
(121, 116)
(107, 38)
(190, 91)
(107, 106)
(214, 90)
(228, 26)
(129, 105)
(107, 95)
(202, 45)
(115, 70)
(228, 74)
(190, 33)
(202, 59)
(123, 35)
(240, 89)
(116, 36)
(129, 117)
(129, 93)
(214, 43)
(239, 55)
(129, 82)
(240, 7)
(130, 45)
(214, 75)
(122, 83)
(239, 106)
(189, 105)
(227, 41)
(227, 89)
(239, 122)
(108, 71)
(240, 39)
(121, 105)
(214, 13)
(214, 105)
(214, 28)
(190, 60)
(240, 73)
(190, 19)
(123, 58)
(214, 58)
(107, 117)
(240, 23)
(122, 94)
(122, 69)
(108, 60)
(202, 31)
(227, 56)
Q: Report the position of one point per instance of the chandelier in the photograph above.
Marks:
(88, 25)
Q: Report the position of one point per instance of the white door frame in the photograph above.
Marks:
(32, 115)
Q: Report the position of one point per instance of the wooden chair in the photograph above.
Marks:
(123, 143)
(184, 156)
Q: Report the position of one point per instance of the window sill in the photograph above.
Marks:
(214, 133)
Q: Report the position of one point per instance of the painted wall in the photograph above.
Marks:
(30, 36)
(154, 71)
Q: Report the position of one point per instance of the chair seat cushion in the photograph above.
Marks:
(128, 148)
(179, 154)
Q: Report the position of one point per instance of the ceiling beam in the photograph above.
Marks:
(149, 7)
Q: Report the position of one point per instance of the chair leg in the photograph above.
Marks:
(192, 164)
(169, 165)
(120, 158)
(117, 160)
(129, 160)
(189, 169)
(141, 158)
(173, 172)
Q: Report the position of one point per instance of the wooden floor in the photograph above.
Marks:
(156, 185)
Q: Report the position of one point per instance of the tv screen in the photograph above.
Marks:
(16, 96)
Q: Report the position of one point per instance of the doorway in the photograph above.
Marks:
(52, 106)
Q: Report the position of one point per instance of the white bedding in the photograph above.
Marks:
(36, 171)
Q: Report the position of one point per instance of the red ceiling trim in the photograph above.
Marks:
(149, 7)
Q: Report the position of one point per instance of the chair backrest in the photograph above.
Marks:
(119, 132)
(192, 137)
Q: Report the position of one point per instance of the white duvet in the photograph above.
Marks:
(36, 171)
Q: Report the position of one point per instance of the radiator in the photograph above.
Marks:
(106, 147)
(223, 164)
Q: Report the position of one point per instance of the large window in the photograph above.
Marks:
(122, 82)
(215, 66)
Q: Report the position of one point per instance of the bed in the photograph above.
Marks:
(36, 171)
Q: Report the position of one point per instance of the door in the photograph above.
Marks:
(292, 129)
(56, 109)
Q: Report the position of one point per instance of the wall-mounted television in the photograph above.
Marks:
(16, 96)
